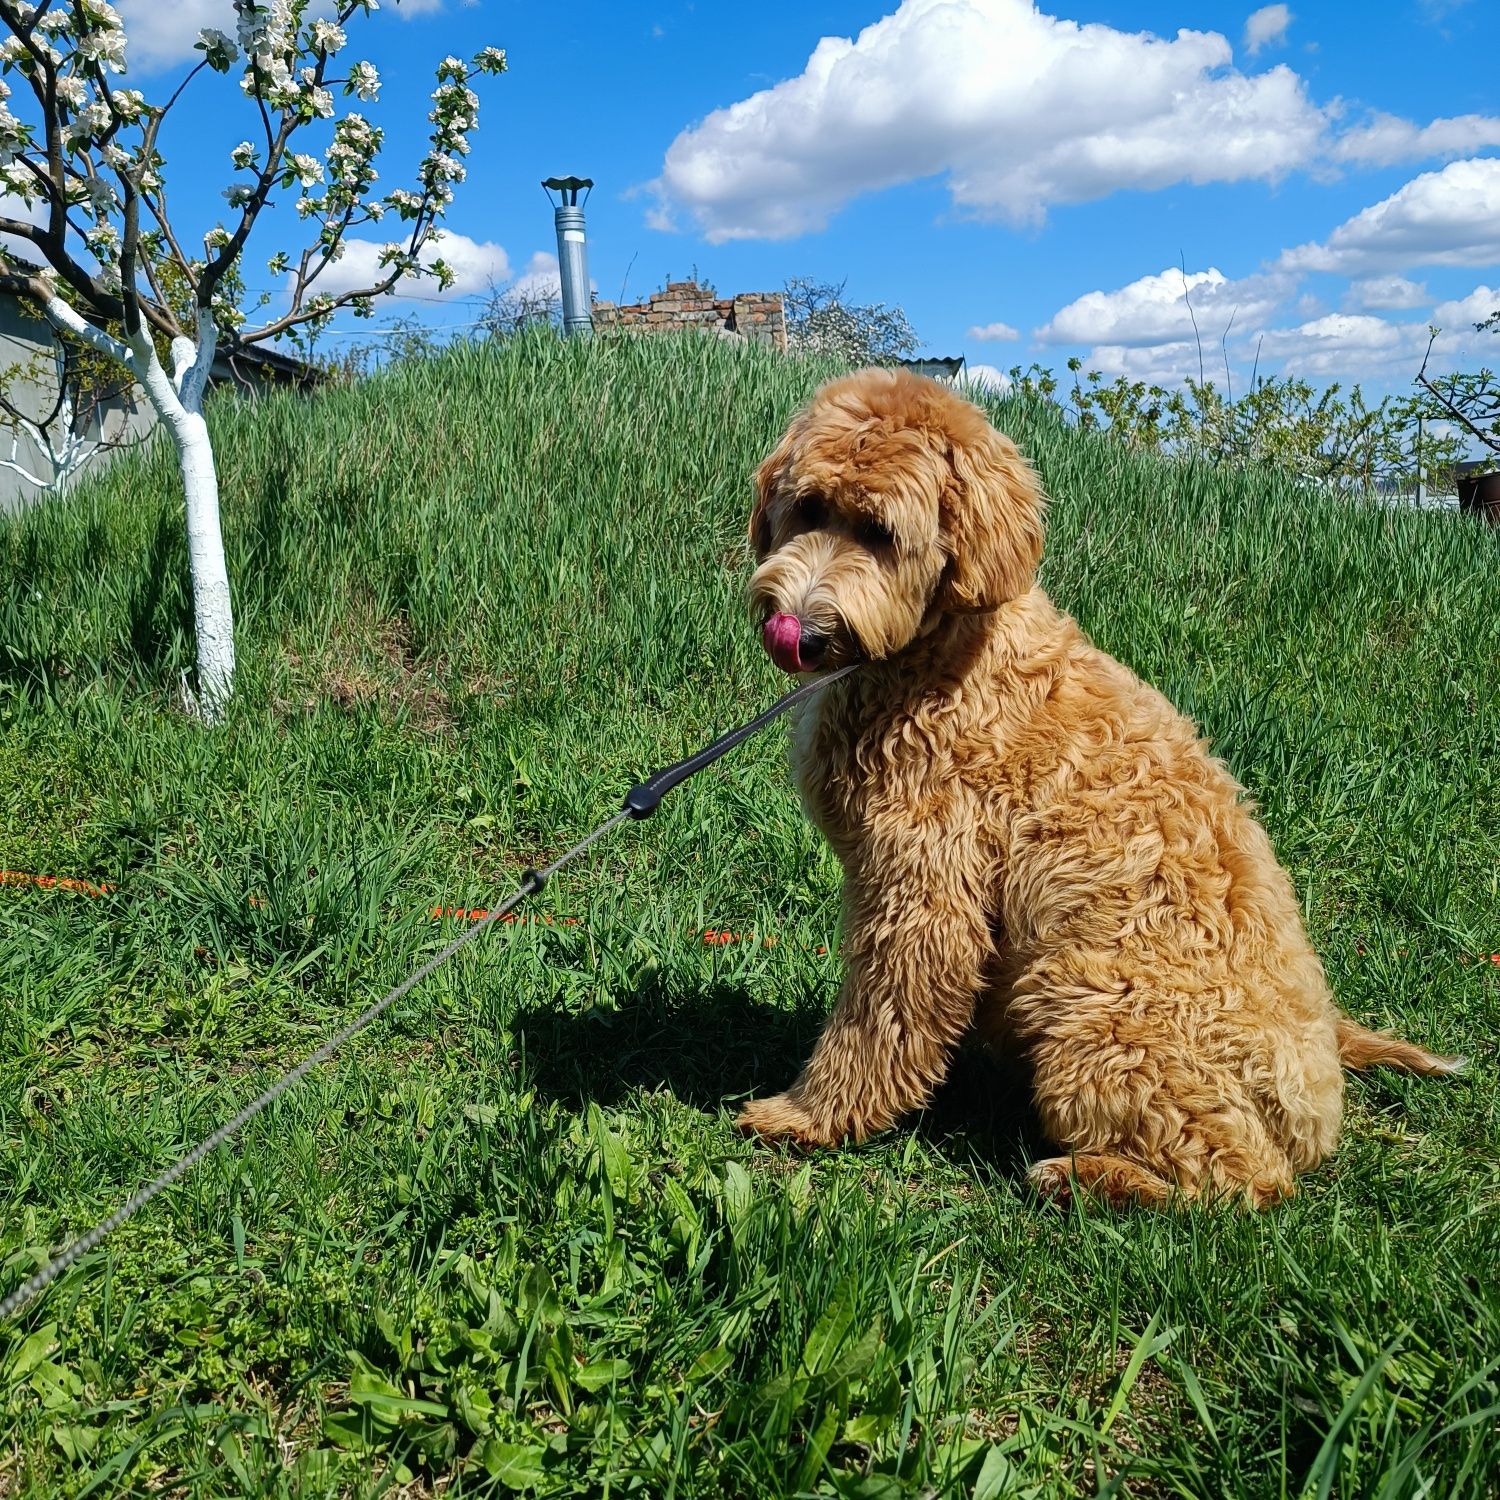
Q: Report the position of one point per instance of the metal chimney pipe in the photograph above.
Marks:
(572, 252)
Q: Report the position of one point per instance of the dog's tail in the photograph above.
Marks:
(1361, 1048)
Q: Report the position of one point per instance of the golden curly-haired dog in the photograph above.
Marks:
(1039, 850)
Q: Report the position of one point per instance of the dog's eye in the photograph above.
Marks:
(763, 537)
(874, 535)
(812, 511)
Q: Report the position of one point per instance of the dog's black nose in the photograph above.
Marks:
(812, 645)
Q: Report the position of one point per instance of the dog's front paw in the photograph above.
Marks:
(781, 1118)
(1053, 1179)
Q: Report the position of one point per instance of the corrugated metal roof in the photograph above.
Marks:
(938, 366)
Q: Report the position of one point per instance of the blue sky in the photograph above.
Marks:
(1329, 174)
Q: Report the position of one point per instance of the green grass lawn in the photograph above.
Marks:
(509, 1238)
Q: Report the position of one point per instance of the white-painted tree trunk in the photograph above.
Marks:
(213, 618)
(177, 399)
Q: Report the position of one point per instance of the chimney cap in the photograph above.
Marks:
(569, 187)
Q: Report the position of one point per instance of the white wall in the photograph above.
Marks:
(22, 338)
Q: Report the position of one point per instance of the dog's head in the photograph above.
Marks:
(889, 503)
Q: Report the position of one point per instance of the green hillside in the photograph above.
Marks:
(509, 1238)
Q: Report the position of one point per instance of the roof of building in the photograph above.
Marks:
(936, 365)
(231, 362)
(269, 363)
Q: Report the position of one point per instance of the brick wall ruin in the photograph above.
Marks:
(685, 304)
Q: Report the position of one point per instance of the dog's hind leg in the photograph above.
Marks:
(1154, 1099)
(916, 951)
(1121, 1182)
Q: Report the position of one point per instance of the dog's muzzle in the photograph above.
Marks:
(791, 645)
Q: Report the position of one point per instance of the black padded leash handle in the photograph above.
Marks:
(642, 799)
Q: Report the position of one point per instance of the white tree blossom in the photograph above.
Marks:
(89, 155)
(820, 321)
(328, 37)
(364, 81)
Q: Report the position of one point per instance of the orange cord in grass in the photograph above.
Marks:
(713, 937)
(53, 882)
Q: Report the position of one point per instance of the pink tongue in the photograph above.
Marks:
(782, 635)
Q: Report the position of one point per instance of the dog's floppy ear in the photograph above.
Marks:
(767, 478)
(992, 515)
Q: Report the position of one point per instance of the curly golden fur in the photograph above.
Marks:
(1039, 850)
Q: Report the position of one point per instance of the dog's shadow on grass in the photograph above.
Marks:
(714, 1048)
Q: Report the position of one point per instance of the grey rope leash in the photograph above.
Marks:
(640, 802)
(532, 883)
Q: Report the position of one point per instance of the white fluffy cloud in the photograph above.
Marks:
(1143, 332)
(477, 266)
(1461, 314)
(1386, 293)
(1001, 332)
(1450, 218)
(25, 213)
(1166, 364)
(1021, 110)
(538, 285)
(1153, 311)
(1385, 139)
(541, 279)
(987, 379)
(162, 32)
(1344, 344)
(1266, 26)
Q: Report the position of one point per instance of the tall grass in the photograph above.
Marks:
(508, 1239)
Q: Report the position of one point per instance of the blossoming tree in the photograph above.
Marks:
(84, 157)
